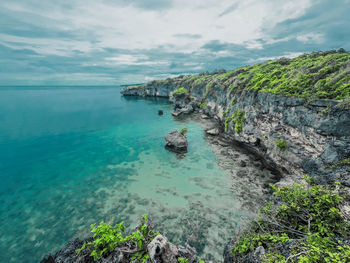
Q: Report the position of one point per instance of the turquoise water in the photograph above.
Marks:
(72, 156)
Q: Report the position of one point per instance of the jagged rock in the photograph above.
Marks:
(176, 142)
(242, 163)
(184, 110)
(204, 116)
(259, 252)
(214, 131)
(161, 251)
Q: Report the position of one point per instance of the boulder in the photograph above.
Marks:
(160, 250)
(214, 131)
(176, 142)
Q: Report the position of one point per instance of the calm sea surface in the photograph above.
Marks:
(72, 156)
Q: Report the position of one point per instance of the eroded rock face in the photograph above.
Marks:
(214, 131)
(176, 142)
(317, 134)
(160, 250)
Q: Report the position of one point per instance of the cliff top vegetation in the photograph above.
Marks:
(318, 75)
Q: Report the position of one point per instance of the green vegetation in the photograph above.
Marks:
(183, 131)
(182, 260)
(180, 91)
(281, 144)
(345, 162)
(304, 219)
(326, 110)
(107, 237)
(225, 112)
(203, 104)
(228, 120)
(313, 76)
(238, 118)
(319, 75)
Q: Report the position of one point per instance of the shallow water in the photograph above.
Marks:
(72, 156)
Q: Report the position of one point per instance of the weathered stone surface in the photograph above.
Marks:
(161, 251)
(214, 131)
(176, 142)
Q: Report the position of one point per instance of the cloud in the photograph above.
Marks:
(125, 41)
(310, 38)
(229, 9)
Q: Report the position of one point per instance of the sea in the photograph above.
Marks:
(74, 156)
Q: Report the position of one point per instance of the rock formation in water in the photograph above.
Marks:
(176, 142)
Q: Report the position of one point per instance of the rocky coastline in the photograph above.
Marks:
(291, 136)
(316, 133)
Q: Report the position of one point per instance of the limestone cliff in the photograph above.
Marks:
(293, 112)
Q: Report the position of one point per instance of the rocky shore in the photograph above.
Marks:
(291, 135)
(316, 133)
(294, 134)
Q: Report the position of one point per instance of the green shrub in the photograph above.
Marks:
(281, 144)
(180, 91)
(183, 131)
(203, 104)
(308, 215)
(107, 237)
(238, 118)
(182, 260)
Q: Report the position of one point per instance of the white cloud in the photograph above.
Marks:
(134, 60)
(311, 38)
(285, 55)
(129, 27)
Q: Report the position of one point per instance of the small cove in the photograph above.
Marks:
(73, 156)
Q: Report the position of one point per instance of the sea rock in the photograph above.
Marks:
(160, 112)
(176, 142)
(214, 131)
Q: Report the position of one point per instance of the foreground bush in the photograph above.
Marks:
(303, 224)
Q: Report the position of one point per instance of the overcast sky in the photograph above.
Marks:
(96, 42)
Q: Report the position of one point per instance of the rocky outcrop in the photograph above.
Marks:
(213, 131)
(162, 251)
(316, 134)
(176, 142)
(159, 250)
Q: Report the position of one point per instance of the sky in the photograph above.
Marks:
(105, 42)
